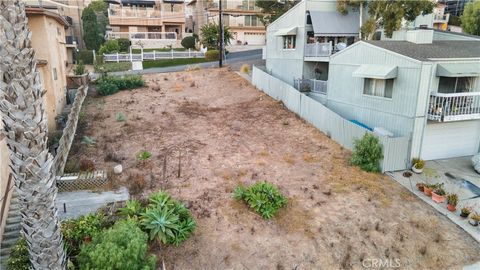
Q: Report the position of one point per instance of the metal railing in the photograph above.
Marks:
(454, 107)
(310, 85)
(145, 13)
(439, 17)
(129, 57)
(318, 49)
(142, 35)
(70, 40)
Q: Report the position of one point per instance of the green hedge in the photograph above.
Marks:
(110, 85)
(86, 56)
(212, 55)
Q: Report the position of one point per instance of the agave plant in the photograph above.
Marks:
(161, 223)
(132, 209)
(160, 199)
(262, 197)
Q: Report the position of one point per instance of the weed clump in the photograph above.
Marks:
(367, 153)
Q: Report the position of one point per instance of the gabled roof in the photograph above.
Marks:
(440, 49)
(332, 23)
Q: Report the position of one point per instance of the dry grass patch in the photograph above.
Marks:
(309, 158)
(288, 158)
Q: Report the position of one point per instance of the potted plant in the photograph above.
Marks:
(428, 189)
(465, 211)
(474, 219)
(452, 200)
(438, 194)
(417, 165)
(421, 186)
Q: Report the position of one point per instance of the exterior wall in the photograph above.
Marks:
(46, 30)
(345, 92)
(287, 65)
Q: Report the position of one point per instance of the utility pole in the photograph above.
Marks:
(220, 24)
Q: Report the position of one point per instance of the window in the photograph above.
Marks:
(251, 20)
(448, 85)
(55, 74)
(289, 42)
(378, 87)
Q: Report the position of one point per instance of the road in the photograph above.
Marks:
(234, 59)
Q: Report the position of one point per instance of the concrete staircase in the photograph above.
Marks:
(12, 230)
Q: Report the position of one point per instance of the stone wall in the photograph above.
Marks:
(69, 131)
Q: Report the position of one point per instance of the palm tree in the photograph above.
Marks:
(25, 126)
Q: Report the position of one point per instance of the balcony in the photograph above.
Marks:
(441, 18)
(454, 107)
(318, 51)
(71, 41)
(142, 35)
(310, 85)
(144, 16)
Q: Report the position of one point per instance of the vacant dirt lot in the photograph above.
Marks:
(210, 130)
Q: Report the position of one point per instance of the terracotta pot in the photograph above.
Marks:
(427, 191)
(437, 198)
(451, 208)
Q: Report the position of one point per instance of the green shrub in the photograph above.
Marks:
(212, 55)
(188, 42)
(19, 258)
(75, 231)
(86, 56)
(120, 117)
(264, 198)
(144, 155)
(113, 67)
(367, 153)
(167, 220)
(124, 44)
(111, 84)
(110, 46)
(132, 209)
(79, 68)
(124, 246)
(107, 88)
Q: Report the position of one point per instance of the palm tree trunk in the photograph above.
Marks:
(25, 126)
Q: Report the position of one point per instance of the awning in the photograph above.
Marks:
(376, 72)
(292, 31)
(458, 69)
(332, 23)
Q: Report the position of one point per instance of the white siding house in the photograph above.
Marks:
(426, 90)
(300, 42)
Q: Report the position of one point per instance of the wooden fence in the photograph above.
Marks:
(343, 131)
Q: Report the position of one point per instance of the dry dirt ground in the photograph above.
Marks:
(224, 132)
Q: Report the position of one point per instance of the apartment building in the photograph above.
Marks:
(240, 16)
(151, 23)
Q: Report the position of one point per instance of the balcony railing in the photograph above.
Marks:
(70, 40)
(145, 13)
(318, 49)
(454, 107)
(142, 35)
(439, 17)
(310, 85)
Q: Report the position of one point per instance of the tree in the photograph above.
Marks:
(91, 30)
(387, 14)
(210, 36)
(272, 9)
(471, 18)
(22, 107)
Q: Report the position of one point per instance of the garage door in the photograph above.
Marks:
(255, 38)
(446, 140)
